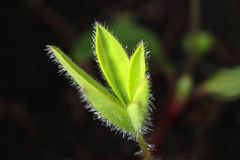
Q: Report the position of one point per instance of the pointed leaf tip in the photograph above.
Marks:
(113, 62)
(137, 70)
(138, 89)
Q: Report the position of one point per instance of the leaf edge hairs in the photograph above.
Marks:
(126, 107)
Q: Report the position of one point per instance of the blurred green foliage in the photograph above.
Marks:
(125, 30)
(184, 87)
(82, 49)
(224, 84)
(201, 43)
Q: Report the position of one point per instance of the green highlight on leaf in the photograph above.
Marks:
(138, 109)
(138, 88)
(127, 30)
(126, 107)
(224, 85)
(137, 69)
(113, 61)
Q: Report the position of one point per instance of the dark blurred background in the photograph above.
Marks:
(42, 117)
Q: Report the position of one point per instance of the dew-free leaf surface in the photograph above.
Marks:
(126, 107)
(114, 62)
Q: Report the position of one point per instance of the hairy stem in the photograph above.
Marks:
(144, 148)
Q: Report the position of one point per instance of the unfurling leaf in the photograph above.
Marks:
(138, 89)
(224, 84)
(126, 108)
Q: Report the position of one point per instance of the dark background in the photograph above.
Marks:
(42, 117)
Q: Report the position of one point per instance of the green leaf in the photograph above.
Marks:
(128, 108)
(136, 117)
(224, 84)
(139, 107)
(138, 89)
(128, 31)
(102, 101)
(113, 61)
(137, 70)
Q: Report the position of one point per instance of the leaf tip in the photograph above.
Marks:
(50, 49)
(141, 45)
(98, 26)
(141, 42)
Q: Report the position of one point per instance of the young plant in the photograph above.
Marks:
(125, 106)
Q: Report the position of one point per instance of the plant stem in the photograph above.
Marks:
(144, 148)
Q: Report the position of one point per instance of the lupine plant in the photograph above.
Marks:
(124, 105)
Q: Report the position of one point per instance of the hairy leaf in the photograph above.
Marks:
(128, 31)
(114, 62)
(139, 107)
(136, 117)
(138, 89)
(128, 108)
(107, 106)
(137, 70)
